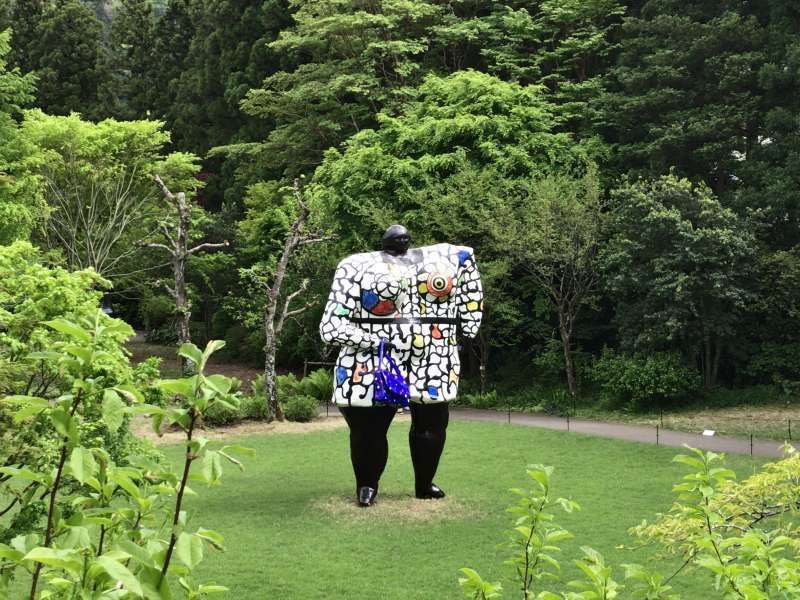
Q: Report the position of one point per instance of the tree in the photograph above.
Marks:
(98, 188)
(679, 265)
(351, 60)
(25, 20)
(68, 59)
(465, 120)
(177, 247)
(129, 86)
(21, 203)
(553, 229)
(270, 277)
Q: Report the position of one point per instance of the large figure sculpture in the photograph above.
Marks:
(416, 300)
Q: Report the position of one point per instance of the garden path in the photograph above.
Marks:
(623, 431)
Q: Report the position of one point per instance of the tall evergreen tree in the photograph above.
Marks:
(227, 56)
(172, 33)
(127, 93)
(68, 59)
(25, 19)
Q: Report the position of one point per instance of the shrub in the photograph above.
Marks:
(641, 382)
(219, 415)
(755, 395)
(145, 375)
(558, 403)
(156, 310)
(317, 384)
(254, 407)
(301, 408)
(775, 363)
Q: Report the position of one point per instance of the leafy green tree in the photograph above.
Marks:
(351, 61)
(20, 195)
(552, 227)
(68, 59)
(465, 120)
(128, 88)
(172, 34)
(98, 187)
(679, 265)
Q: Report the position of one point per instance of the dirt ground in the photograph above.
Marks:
(394, 507)
(170, 365)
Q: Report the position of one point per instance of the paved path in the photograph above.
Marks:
(622, 431)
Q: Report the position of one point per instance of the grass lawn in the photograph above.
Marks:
(763, 421)
(291, 534)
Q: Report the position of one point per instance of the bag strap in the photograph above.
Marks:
(380, 355)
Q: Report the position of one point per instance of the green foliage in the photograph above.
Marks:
(642, 382)
(108, 525)
(20, 196)
(717, 524)
(156, 311)
(68, 58)
(468, 119)
(682, 263)
(300, 408)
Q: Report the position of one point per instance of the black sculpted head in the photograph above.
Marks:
(396, 240)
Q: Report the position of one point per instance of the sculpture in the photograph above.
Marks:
(417, 300)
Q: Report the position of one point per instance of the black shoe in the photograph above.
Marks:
(433, 492)
(366, 496)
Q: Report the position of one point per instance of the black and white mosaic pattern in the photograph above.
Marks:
(418, 302)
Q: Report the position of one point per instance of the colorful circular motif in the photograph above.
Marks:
(439, 284)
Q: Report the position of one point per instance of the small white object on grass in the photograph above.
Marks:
(709, 432)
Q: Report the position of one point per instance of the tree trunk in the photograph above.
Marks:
(566, 342)
(270, 383)
(707, 361)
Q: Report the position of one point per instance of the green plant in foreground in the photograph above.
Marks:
(717, 524)
(111, 531)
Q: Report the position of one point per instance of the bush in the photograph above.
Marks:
(218, 415)
(317, 384)
(642, 383)
(301, 408)
(156, 310)
(775, 363)
(145, 376)
(756, 395)
(558, 403)
(254, 407)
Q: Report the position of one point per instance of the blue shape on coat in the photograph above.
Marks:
(433, 392)
(369, 299)
(341, 375)
(463, 256)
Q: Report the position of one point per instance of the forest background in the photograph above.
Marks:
(627, 172)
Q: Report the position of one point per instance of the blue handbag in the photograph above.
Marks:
(390, 386)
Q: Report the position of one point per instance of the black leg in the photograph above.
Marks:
(369, 449)
(426, 440)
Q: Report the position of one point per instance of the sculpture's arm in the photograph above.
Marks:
(343, 301)
(470, 294)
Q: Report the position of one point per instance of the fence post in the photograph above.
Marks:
(657, 435)
(751, 444)
(509, 410)
(661, 418)
(305, 367)
(790, 430)
(567, 421)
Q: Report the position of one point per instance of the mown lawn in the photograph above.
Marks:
(291, 534)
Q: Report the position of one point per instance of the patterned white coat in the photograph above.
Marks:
(418, 301)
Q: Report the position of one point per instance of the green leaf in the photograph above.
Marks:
(120, 573)
(82, 464)
(64, 424)
(130, 392)
(212, 467)
(71, 329)
(191, 352)
(113, 410)
(24, 474)
(69, 560)
(212, 537)
(189, 549)
(179, 387)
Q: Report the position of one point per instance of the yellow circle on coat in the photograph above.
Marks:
(472, 305)
(419, 342)
(423, 288)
